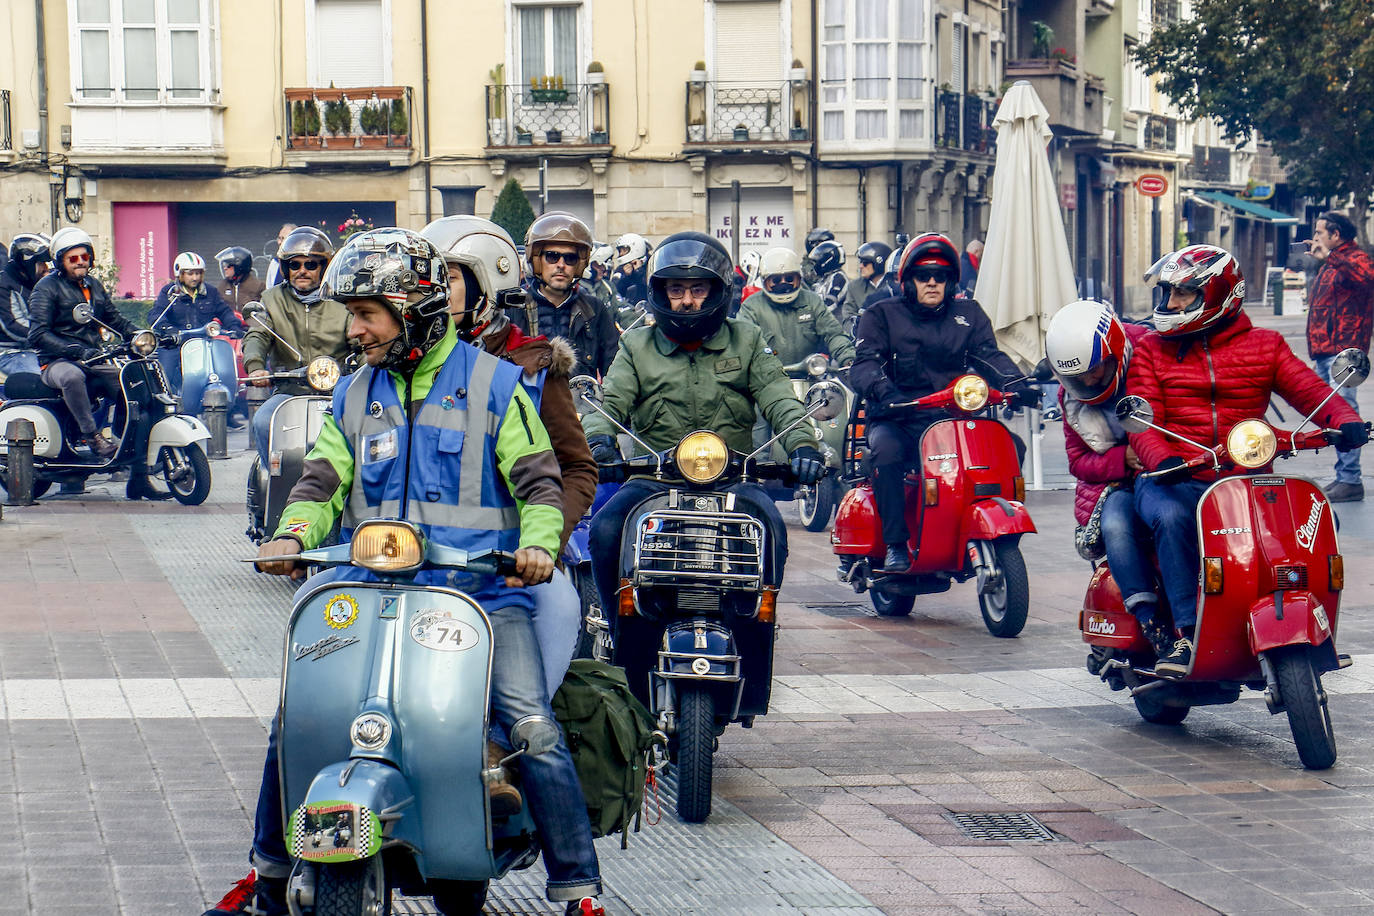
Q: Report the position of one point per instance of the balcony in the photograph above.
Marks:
(965, 122)
(1073, 98)
(549, 119)
(369, 124)
(1210, 164)
(165, 131)
(1160, 133)
(748, 115)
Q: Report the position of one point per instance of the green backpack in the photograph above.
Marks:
(610, 734)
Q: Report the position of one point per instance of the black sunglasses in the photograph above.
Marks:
(304, 265)
(926, 274)
(567, 257)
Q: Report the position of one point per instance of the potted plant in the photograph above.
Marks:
(696, 128)
(523, 137)
(741, 133)
(547, 89)
(798, 73)
(596, 74)
(496, 123)
(699, 72)
(398, 125)
(798, 132)
(598, 136)
(305, 123)
(553, 135)
(338, 117)
(372, 121)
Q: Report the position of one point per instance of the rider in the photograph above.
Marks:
(794, 321)
(910, 345)
(872, 258)
(1089, 350)
(557, 247)
(825, 264)
(1205, 370)
(694, 369)
(815, 236)
(29, 259)
(395, 284)
(484, 276)
(631, 258)
(241, 286)
(188, 302)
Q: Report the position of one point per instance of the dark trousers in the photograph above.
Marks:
(70, 379)
(892, 448)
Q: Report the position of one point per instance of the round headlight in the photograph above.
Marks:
(386, 546)
(816, 364)
(970, 393)
(144, 343)
(213, 329)
(701, 456)
(323, 373)
(1251, 444)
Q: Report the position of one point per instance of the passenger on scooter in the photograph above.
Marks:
(484, 278)
(630, 267)
(395, 284)
(794, 320)
(187, 303)
(910, 345)
(1205, 370)
(1089, 350)
(694, 369)
(29, 259)
(63, 342)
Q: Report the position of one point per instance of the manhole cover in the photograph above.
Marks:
(1002, 827)
(839, 610)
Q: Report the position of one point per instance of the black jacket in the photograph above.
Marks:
(582, 320)
(908, 351)
(175, 310)
(14, 308)
(54, 329)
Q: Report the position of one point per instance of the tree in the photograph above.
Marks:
(513, 212)
(1300, 75)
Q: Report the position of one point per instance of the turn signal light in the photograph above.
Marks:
(1018, 488)
(932, 491)
(1335, 571)
(768, 605)
(1211, 575)
(627, 599)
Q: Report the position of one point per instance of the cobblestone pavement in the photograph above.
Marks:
(138, 662)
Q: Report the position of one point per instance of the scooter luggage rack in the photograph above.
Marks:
(677, 548)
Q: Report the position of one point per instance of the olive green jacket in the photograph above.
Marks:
(663, 392)
(320, 329)
(798, 328)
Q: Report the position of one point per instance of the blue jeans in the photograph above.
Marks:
(15, 361)
(557, 624)
(1347, 463)
(1170, 512)
(550, 780)
(1126, 539)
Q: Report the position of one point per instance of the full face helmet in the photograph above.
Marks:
(1088, 350)
(1213, 278)
(817, 235)
(690, 256)
(780, 271)
(28, 251)
(826, 258)
(491, 266)
(238, 258)
(930, 250)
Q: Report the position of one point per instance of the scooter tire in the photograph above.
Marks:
(1005, 613)
(818, 504)
(194, 491)
(352, 888)
(459, 898)
(1300, 687)
(40, 486)
(891, 604)
(1154, 710)
(696, 742)
(586, 593)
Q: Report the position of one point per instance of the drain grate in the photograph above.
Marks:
(839, 610)
(1005, 827)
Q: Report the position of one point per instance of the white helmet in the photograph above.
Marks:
(67, 238)
(187, 260)
(603, 255)
(780, 273)
(749, 263)
(637, 245)
(489, 253)
(1088, 350)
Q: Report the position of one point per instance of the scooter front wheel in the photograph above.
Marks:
(1300, 688)
(190, 483)
(818, 503)
(352, 889)
(696, 741)
(1006, 604)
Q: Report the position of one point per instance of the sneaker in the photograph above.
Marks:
(1345, 492)
(253, 896)
(587, 906)
(1177, 662)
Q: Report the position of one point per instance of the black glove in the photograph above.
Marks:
(807, 464)
(604, 449)
(1172, 470)
(1023, 396)
(169, 340)
(79, 351)
(1353, 435)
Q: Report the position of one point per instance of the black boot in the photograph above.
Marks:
(897, 560)
(1159, 632)
(138, 487)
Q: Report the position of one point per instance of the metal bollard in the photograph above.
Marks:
(255, 397)
(19, 477)
(216, 411)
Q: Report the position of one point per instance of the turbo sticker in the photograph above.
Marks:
(340, 612)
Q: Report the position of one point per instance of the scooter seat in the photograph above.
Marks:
(28, 386)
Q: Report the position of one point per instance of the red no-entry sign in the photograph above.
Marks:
(1152, 185)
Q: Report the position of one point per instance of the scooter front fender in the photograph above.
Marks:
(360, 796)
(175, 431)
(989, 519)
(1290, 618)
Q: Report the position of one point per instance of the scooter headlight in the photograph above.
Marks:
(213, 329)
(387, 546)
(701, 456)
(970, 393)
(144, 343)
(1251, 443)
(323, 373)
(816, 364)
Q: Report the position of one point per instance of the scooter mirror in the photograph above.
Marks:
(585, 388)
(1350, 368)
(824, 400)
(1043, 372)
(1135, 413)
(535, 735)
(83, 313)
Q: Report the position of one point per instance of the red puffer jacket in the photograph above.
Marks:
(1201, 387)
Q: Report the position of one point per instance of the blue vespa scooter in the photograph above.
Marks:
(207, 361)
(384, 717)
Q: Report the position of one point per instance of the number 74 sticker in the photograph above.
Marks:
(439, 630)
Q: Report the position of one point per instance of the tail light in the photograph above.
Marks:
(932, 491)
(1018, 487)
(627, 599)
(1211, 575)
(1335, 571)
(768, 605)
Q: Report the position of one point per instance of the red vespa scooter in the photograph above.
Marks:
(1270, 583)
(970, 491)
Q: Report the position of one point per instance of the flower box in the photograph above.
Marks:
(548, 95)
(741, 134)
(599, 138)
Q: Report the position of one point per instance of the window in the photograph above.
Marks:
(352, 39)
(873, 70)
(548, 43)
(143, 50)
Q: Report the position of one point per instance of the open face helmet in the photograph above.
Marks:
(559, 227)
(1088, 350)
(304, 241)
(1213, 278)
(929, 251)
(28, 251)
(238, 258)
(875, 254)
(488, 255)
(67, 238)
(187, 260)
(690, 256)
(780, 272)
(629, 248)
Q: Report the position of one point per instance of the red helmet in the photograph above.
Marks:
(1210, 272)
(928, 249)
(1088, 350)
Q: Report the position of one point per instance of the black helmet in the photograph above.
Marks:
(827, 257)
(875, 253)
(27, 251)
(241, 259)
(816, 236)
(690, 256)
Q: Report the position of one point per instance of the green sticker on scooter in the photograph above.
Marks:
(334, 831)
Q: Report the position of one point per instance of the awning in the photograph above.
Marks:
(1249, 208)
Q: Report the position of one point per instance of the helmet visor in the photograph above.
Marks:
(1093, 384)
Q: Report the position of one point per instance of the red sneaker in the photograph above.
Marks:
(253, 896)
(587, 906)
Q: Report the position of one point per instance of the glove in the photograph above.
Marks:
(75, 351)
(1023, 396)
(807, 465)
(1173, 471)
(604, 449)
(1353, 435)
(169, 340)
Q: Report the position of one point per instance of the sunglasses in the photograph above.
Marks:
(792, 279)
(926, 274)
(76, 257)
(567, 257)
(304, 265)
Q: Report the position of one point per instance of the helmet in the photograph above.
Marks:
(782, 267)
(875, 253)
(816, 236)
(603, 255)
(690, 256)
(827, 257)
(187, 260)
(558, 226)
(749, 263)
(638, 247)
(304, 240)
(27, 251)
(489, 256)
(1084, 336)
(241, 259)
(1209, 271)
(67, 238)
(404, 270)
(929, 249)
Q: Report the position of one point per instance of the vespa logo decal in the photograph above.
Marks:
(1228, 531)
(941, 457)
(318, 650)
(439, 630)
(1101, 625)
(1308, 532)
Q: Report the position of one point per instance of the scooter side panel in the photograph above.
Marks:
(1104, 620)
(47, 442)
(857, 528)
(196, 366)
(1226, 530)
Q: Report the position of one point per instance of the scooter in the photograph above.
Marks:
(152, 437)
(1270, 587)
(820, 500)
(208, 361)
(384, 715)
(695, 617)
(964, 506)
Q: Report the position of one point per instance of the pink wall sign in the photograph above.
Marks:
(143, 245)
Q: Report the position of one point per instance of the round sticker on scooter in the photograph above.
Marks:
(439, 630)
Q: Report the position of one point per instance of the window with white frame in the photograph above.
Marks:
(143, 50)
(873, 70)
(547, 42)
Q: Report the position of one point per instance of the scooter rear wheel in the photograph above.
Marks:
(1300, 688)
(40, 486)
(696, 742)
(352, 889)
(891, 604)
(1152, 709)
(459, 898)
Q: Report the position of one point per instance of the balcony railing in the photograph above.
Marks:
(372, 117)
(1161, 133)
(5, 139)
(965, 122)
(1210, 163)
(731, 112)
(570, 115)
